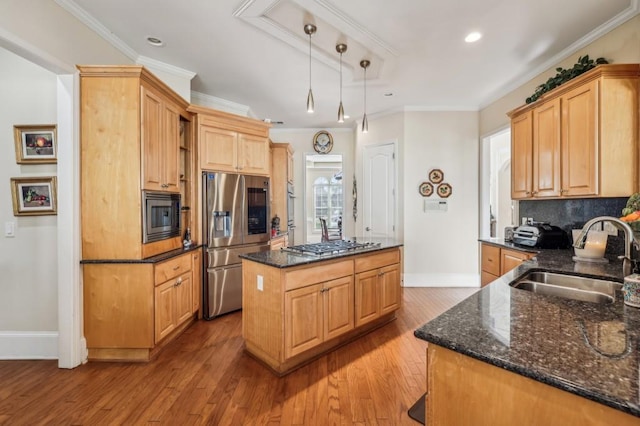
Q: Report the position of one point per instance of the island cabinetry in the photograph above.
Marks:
(501, 397)
(317, 313)
(377, 286)
(497, 261)
(230, 143)
(576, 139)
(292, 315)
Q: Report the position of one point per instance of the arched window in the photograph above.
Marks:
(327, 197)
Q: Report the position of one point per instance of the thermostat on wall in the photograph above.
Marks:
(435, 205)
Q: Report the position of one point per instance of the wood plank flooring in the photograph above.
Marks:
(205, 378)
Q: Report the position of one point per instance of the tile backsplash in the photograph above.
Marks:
(571, 214)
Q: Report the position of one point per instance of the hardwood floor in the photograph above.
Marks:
(204, 377)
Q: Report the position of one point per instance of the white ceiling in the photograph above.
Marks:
(255, 52)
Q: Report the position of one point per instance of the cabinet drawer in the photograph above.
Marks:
(172, 268)
(317, 274)
(378, 260)
(491, 259)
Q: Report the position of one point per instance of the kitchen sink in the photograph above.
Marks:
(569, 286)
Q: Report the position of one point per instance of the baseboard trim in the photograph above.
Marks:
(441, 280)
(28, 345)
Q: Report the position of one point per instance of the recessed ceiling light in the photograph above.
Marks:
(473, 37)
(346, 116)
(155, 41)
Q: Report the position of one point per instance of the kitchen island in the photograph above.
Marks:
(510, 356)
(297, 306)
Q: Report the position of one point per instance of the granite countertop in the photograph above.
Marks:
(584, 348)
(154, 259)
(286, 259)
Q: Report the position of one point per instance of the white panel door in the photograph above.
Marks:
(378, 198)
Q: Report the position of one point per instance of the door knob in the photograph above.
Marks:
(367, 229)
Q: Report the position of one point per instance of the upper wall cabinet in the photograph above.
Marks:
(230, 143)
(130, 140)
(579, 140)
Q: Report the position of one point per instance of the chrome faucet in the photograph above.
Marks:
(629, 239)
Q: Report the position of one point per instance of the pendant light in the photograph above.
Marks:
(310, 29)
(341, 48)
(365, 123)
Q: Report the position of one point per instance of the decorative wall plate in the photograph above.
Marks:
(425, 189)
(322, 142)
(436, 175)
(444, 190)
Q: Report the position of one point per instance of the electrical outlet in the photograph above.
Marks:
(260, 281)
(609, 228)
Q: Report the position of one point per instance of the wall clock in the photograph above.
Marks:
(322, 142)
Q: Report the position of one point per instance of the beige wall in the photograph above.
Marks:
(621, 45)
(301, 142)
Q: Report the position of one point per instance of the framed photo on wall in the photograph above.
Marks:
(34, 196)
(36, 144)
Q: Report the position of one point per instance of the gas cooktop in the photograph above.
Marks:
(330, 247)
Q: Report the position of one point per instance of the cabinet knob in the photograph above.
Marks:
(528, 193)
(564, 191)
(178, 282)
(176, 268)
(534, 192)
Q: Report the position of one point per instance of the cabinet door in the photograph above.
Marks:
(165, 310)
(303, 319)
(521, 155)
(338, 307)
(389, 287)
(151, 129)
(579, 140)
(218, 149)
(546, 149)
(490, 259)
(486, 278)
(510, 259)
(184, 298)
(367, 301)
(171, 149)
(253, 155)
(196, 271)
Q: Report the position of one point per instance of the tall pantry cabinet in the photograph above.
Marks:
(135, 135)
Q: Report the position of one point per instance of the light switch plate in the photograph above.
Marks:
(9, 229)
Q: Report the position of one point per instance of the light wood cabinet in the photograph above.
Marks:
(281, 176)
(377, 290)
(292, 315)
(160, 133)
(576, 140)
(230, 143)
(129, 141)
(497, 261)
(278, 243)
(132, 308)
(196, 270)
(317, 313)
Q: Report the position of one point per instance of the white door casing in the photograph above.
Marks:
(378, 197)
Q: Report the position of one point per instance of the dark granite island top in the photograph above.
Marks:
(286, 259)
(587, 349)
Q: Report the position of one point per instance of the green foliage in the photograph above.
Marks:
(633, 204)
(583, 65)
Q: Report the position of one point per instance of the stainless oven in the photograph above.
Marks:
(160, 216)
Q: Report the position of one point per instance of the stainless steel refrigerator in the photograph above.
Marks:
(236, 221)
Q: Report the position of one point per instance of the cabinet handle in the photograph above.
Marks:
(178, 282)
(564, 191)
(534, 192)
(176, 268)
(527, 193)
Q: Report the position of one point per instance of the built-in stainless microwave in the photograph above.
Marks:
(160, 216)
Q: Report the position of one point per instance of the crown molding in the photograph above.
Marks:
(171, 69)
(202, 99)
(616, 21)
(289, 130)
(91, 22)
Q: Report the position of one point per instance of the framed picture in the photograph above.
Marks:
(36, 144)
(34, 196)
